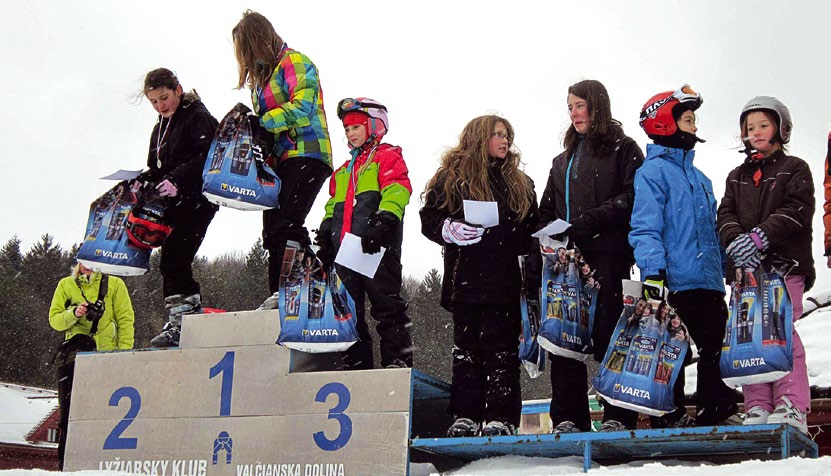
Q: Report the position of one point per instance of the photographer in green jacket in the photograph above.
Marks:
(93, 317)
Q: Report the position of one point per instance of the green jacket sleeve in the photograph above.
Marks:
(123, 314)
(61, 318)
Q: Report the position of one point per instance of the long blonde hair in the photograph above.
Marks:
(257, 47)
(464, 169)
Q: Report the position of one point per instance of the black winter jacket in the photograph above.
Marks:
(486, 272)
(186, 138)
(600, 193)
(782, 206)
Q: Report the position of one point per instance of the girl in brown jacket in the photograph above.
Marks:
(765, 218)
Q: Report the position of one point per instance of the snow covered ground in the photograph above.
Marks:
(521, 466)
(814, 330)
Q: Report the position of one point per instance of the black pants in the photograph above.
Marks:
(190, 222)
(486, 375)
(678, 397)
(569, 377)
(388, 309)
(300, 181)
(66, 374)
(705, 314)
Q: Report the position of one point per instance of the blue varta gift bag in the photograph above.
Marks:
(106, 247)
(531, 356)
(237, 174)
(645, 355)
(568, 301)
(759, 337)
(317, 314)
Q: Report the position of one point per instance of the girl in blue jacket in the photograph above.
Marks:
(676, 244)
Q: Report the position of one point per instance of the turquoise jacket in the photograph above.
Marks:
(674, 221)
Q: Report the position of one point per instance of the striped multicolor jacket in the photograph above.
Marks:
(375, 179)
(291, 108)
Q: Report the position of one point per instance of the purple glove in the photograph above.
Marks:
(461, 233)
(166, 188)
(744, 252)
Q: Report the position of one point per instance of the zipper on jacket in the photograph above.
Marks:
(568, 181)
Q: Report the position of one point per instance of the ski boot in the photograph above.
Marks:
(176, 306)
(272, 302)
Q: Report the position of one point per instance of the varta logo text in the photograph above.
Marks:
(572, 339)
(111, 254)
(238, 190)
(744, 363)
(320, 332)
(635, 392)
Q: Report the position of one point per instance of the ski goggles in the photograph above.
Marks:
(147, 235)
(351, 104)
(686, 94)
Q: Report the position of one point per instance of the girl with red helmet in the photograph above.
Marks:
(368, 195)
(765, 219)
(590, 186)
(676, 245)
(178, 147)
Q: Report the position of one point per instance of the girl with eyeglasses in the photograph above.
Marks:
(590, 186)
(287, 97)
(481, 284)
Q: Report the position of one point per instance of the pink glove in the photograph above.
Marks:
(461, 233)
(166, 188)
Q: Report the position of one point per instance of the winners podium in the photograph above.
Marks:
(229, 401)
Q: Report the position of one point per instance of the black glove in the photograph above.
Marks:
(262, 139)
(654, 286)
(323, 239)
(380, 232)
(579, 229)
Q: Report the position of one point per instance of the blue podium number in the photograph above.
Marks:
(226, 368)
(335, 413)
(114, 440)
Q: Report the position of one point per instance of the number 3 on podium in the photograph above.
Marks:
(225, 367)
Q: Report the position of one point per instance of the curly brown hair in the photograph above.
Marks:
(464, 169)
(257, 47)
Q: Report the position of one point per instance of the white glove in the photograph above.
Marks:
(461, 233)
(166, 188)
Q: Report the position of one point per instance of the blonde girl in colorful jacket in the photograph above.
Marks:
(287, 97)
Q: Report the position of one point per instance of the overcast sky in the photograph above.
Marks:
(71, 69)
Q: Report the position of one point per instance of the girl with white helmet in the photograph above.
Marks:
(765, 219)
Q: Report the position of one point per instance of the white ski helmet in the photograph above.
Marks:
(769, 103)
(377, 112)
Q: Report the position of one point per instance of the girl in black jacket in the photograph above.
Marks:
(591, 186)
(178, 147)
(481, 284)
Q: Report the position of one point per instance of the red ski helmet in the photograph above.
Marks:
(378, 122)
(659, 114)
(146, 224)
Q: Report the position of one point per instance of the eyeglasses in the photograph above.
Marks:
(501, 135)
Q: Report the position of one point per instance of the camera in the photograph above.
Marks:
(95, 310)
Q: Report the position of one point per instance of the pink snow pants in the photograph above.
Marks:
(795, 384)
